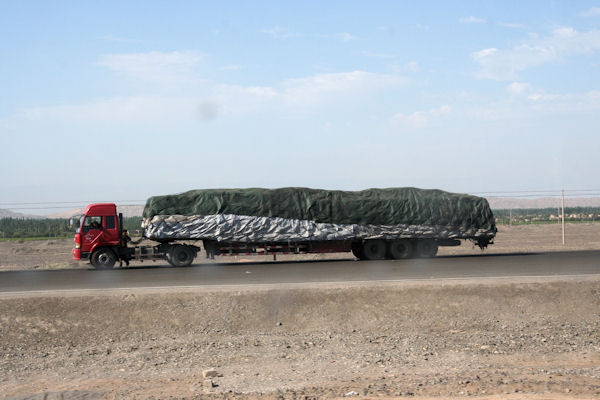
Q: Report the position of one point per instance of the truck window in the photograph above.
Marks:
(92, 223)
(110, 222)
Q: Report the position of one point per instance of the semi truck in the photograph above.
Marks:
(373, 224)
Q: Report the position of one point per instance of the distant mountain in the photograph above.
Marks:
(498, 203)
(11, 214)
(128, 211)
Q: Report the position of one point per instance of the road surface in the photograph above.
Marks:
(331, 271)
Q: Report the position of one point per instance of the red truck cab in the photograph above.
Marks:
(99, 228)
(100, 240)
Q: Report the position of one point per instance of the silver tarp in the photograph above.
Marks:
(240, 228)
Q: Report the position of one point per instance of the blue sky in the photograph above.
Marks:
(124, 100)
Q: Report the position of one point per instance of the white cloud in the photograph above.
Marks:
(313, 92)
(592, 12)
(543, 97)
(345, 36)
(236, 99)
(482, 54)
(565, 32)
(322, 87)
(173, 67)
(411, 66)
(472, 20)
(118, 109)
(230, 67)
(422, 119)
(517, 88)
(320, 92)
(528, 103)
(505, 64)
(278, 32)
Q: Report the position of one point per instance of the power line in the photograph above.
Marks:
(72, 202)
(538, 191)
(547, 195)
(64, 207)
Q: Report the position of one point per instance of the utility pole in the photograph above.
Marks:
(510, 217)
(563, 216)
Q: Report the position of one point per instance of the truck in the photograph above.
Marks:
(373, 224)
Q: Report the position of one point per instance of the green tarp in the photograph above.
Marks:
(391, 206)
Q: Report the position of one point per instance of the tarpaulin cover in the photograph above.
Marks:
(393, 206)
(241, 228)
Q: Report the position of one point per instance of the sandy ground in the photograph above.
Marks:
(56, 254)
(535, 339)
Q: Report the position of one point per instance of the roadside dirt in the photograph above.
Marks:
(56, 254)
(502, 339)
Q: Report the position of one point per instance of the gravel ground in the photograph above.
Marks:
(534, 339)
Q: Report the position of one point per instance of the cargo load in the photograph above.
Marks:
(302, 214)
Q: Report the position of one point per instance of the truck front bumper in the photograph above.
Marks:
(80, 255)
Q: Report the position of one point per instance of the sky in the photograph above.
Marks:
(117, 101)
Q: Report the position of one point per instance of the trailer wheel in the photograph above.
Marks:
(427, 248)
(400, 249)
(180, 256)
(374, 250)
(103, 258)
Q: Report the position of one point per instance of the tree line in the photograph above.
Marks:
(546, 215)
(20, 228)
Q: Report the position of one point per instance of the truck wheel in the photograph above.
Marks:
(180, 256)
(103, 258)
(357, 250)
(427, 248)
(374, 250)
(400, 249)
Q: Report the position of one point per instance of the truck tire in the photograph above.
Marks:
(374, 249)
(181, 255)
(357, 250)
(400, 249)
(103, 258)
(427, 248)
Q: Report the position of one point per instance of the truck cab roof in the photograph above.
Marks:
(99, 209)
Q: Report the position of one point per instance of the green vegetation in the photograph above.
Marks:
(133, 225)
(29, 239)
(33, 229)
(546, 215)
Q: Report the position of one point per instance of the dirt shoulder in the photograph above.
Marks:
(535, 339)
(56, 254)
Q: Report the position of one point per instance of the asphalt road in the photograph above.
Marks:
(452, 267)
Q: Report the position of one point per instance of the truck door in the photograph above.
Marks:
(91, 232)
(111, 230)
